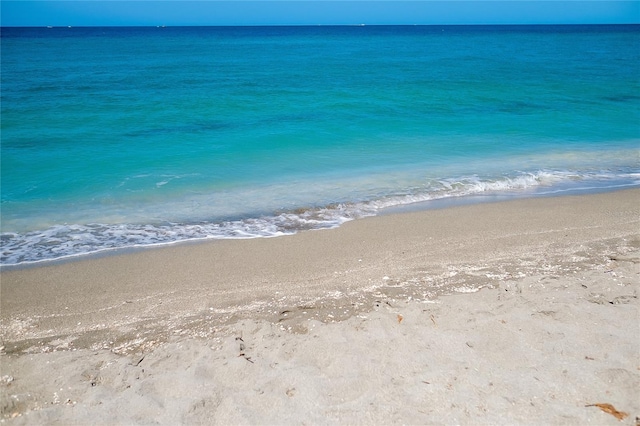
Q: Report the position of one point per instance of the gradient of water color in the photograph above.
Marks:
(120, 137)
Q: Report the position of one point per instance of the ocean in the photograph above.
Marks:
(118, 137)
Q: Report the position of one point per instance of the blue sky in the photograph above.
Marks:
(311, 12)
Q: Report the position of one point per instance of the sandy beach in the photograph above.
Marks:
(516, 312)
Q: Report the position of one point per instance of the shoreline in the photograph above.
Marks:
(397, 270)
(19, 254)
(418, 206)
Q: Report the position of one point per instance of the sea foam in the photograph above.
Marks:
(63, 241)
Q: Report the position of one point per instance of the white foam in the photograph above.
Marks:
(61, 241)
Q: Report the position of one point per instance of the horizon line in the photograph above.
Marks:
(319, 25)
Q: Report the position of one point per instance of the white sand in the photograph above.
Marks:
(350, 326)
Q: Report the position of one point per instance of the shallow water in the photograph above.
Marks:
(121, 137)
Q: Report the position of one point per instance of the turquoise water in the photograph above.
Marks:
(120, 137)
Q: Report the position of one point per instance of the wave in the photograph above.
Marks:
(64, 241)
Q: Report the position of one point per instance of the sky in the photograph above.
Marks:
(313, 12)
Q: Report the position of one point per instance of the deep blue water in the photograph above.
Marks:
(116, 137)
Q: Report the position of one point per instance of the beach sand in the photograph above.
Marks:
(516, 312)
